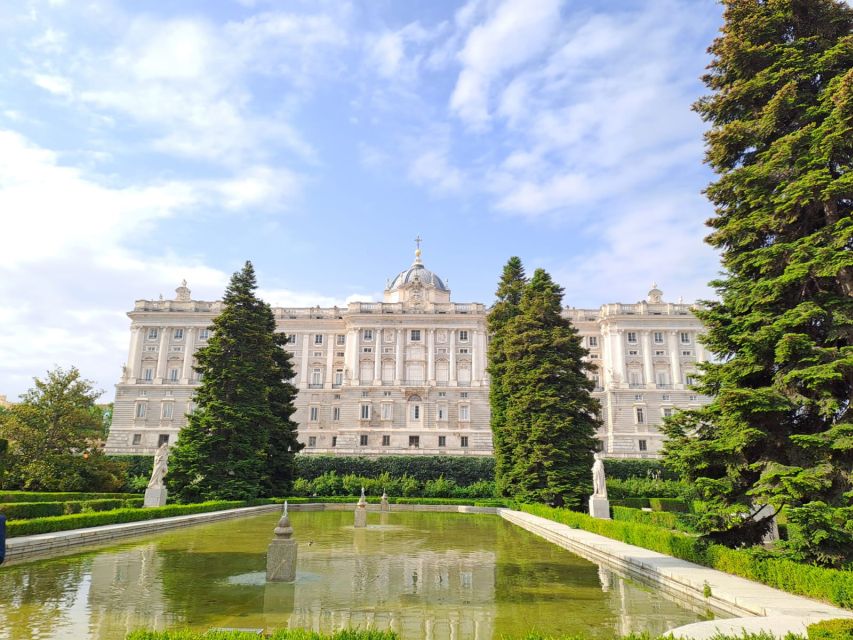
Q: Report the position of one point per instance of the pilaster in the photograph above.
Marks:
(162, 356)
(189, 352)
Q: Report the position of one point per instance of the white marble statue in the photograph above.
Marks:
(599, 484)
(160, 467)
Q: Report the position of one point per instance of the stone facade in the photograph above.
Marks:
(406, 375)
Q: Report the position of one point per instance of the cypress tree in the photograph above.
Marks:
(778, 430)
(239, 442)
(550, 415)
(505, 308)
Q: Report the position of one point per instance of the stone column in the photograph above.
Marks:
(620, 365)
(674, 356)
(700, 349)
(377, 353)
(134, 356)
(399, 363)
(451, 340)
(304, 374)
(189, 352)
(330, 361)
(163, 355)
(350, 356)
(475, 352)
(648, 369)
(430, 356)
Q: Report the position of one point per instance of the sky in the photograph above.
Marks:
(142, 143)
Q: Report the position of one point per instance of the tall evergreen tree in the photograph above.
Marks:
(239, 442)
(551, 418)
(506, 307)
(779, 428)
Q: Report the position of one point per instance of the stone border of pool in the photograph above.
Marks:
(759, 607)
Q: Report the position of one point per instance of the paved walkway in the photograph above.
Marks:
(780, 611)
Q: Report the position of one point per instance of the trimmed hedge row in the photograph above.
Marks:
(84, 520)
(654, 518)
(56, 496)
(27, 510)
(460, 469)
(648, 488)
(331, 484)
(830, 585)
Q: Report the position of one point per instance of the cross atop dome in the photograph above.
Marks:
(418, 241)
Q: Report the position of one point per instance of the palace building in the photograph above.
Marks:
(408, 375)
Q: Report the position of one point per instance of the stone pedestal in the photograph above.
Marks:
(599, 507)
(281, 561)
(155, 497)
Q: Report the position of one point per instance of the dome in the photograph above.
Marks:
(420, 273)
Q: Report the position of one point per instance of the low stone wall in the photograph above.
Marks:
(59, 542)
(681, 579)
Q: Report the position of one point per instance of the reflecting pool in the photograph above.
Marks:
(430, 576)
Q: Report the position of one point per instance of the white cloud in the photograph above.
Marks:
(52, 83)
(516, 32)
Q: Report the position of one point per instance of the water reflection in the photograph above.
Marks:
(425, 576)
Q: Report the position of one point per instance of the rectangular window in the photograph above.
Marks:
(386, 410)
(336, 414)
(179, 334)
(316, 377)
(340, 340)
(593, 356)
(318, 354)
(633, 352)
(667, 412)
(463, 336)
(204, 334)
(641, 415)
(314, 414)
(593, 341)
(685, 337)
(137, 438)
(367, 335)
(140, 409)
(658, 336)
(367, 349)
(339, 377)
(463, 441)
(168, 409)
(660, 353)
(687, 353)
(692, 398)
(416, 412)
(290, 338)
(415, 335)
(442, 394)
(334, 441)
(173, 375)
(339, 354)
(365, 394)
(153, 333)
(441, 413)
(638, 397)
(162, 439)
(464, 351)
(414, 442)
(689, 380)
(386, 441)
(365, 412)
(318, 338)
(632, 337)
(442, 441)
(386, 394)
(464, 394)
(643, 446)
(312, 441)
(362, 440)
(464, 412)
(148, 375)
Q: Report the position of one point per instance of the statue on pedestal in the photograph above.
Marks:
(599, 505)
(155, 494)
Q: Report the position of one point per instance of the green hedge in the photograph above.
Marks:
(634, 503)
(84, 520)
(649, 488)
(832, 585)
(54, 496)
(672, 505)
(27, 510)
(332, 484)
(838, 629)
(655, 518)
(462, 470)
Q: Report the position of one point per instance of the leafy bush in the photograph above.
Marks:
(618, 469)
(838, 629)
(440, 488)
(832, 585)
(655, 518)
(53, 496)
(83, 520)
(462, 470)
(634, 503)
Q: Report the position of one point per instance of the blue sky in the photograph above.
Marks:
(144, 143)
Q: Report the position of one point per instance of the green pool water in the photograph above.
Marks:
(425, 575)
